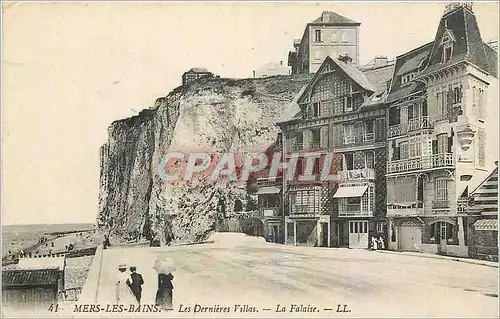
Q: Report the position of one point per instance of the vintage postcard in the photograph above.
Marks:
(249, 159)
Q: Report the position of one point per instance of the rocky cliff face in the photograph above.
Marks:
(216, 115)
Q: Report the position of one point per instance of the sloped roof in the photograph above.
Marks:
(405, 63)
(293, 109)
(24, 277)
(355, 74)
(475, 185)
(468, 45)
(330, 17)
(198, 70)
(379, 77)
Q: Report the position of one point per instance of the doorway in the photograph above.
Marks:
(358, 234)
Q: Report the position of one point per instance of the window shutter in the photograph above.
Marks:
(450, 143)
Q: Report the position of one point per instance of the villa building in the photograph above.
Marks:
(443, 112)
(341, 111)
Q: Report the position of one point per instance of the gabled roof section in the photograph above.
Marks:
(468, 45)
(405, 63)
(329, 17)
(352, 72)
(293, 110)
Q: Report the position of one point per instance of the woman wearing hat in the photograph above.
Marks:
(124, 295)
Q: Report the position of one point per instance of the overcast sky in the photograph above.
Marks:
(70, 69)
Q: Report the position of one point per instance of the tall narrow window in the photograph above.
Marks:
(349, 136)
(316, 138)
(481, 152)
(317, 35)
(349, 161)
(369, 160)
(447, 47)
(447, 52)
(441, 191)
(403, 150)
(316, 107)
(442, 143)
(480, 105)
(457, 95)
(347, 103)
(344, 37)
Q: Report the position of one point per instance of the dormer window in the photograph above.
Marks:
(447, 52)
(447, 46)
(408, 77)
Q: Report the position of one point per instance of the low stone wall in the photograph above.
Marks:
(89, 290)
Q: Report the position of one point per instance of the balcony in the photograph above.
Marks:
(354, 210)
(421, 163)
(399, 210)
(356, 174)
(418, 123)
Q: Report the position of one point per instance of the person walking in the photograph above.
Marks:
(164, 295)
(124, 295)
(135, 283)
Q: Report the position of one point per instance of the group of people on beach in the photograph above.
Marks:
(129, 288)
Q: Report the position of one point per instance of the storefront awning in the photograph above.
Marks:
(268, 190)
(486, 224)
(350, 191)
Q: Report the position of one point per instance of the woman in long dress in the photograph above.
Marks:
(124, 295)
(164, 294)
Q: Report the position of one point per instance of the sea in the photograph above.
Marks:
(23, 236)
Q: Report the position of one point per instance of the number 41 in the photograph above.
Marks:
(53, 307)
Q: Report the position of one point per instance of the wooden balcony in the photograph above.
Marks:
(428, 162)
(356, 174)
(354, 210)
(415, 209)
(418, 123)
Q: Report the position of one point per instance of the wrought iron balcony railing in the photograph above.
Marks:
(414, 209)
(421, 163)
(356, 174)
(418, 123)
